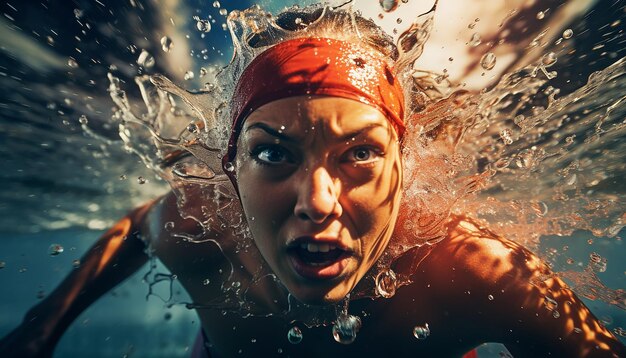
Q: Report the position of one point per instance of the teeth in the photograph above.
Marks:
(312, 247)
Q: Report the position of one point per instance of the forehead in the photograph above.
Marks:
(334, 114)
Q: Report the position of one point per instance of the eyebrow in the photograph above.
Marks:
(360, 131)
(271, 131)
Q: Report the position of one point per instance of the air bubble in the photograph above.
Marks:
(388, 5)
(72, 63)
(229, 167)
(169, 226)
(141, 180)
(166, 44)
(206, 281)
(541, 15)
(490, 297)
(294, 335)
(216, 4)
(475, 40)
(386, 283)
(550, 303)
(145, 59)
(55, 249)
(203, 72)
(192, 128)
(203, 26)
(76, 263)
(556, 314)
(346, 328)
(597, 262)
(83, 119)
(2, 264)
(223, 12)
(505, 135)
(488, 61)
(421, 332)
(549, 59)
(188, 75)
(567, 34)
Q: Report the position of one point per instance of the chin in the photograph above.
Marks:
(318, 296)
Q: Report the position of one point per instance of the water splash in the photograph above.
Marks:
(516, 145)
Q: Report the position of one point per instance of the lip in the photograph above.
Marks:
(325, 271)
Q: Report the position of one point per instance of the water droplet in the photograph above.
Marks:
(145, 59)
(169, 225)
(203, 25)
(505, 135)
(76, 263)
(541, 15)
(206, 281)
(619, 331)
(72, 63)
(223, 12)
(229, 167)
(55, 249)
(388, 5)
(188, 75)
(216, 4)
(549, 59)
(141, 180)
(294, 335)
(421, 332)
(83, 119)
(346, 328)
(550, 303)
(475, 40)
(597, 262)
(386, 283)
(490, 297)
(567, 34)
(488, 61)
(166, 44)
(192, 128)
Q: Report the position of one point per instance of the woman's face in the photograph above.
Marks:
(320, 183)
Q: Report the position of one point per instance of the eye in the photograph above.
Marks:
(360, 155)
(269, 155)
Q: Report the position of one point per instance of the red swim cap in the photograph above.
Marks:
(316, 66)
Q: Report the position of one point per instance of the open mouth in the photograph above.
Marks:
(318, 260)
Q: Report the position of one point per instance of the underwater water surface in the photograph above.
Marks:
(67, 175)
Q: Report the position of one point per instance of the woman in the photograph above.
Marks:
(314, 155)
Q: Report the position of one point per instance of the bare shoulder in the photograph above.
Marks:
(523, 304)
(482, 256)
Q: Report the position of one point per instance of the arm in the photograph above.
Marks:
(114, 257)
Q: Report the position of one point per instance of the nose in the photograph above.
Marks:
(318, 196)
